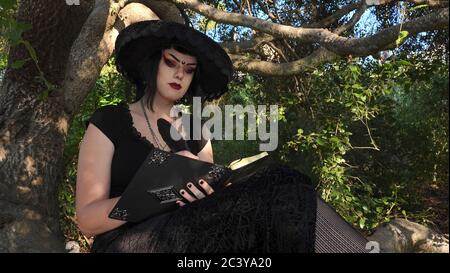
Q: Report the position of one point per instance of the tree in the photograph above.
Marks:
(69, 44)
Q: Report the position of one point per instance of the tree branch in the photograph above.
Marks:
(431, 3)
(355, 18)
(340, 45)
(94, 45)
(334, 17)
(264, 68)
(246, 45)
(266, 10)
(164, 10)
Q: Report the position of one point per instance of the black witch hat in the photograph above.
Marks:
(138, 41)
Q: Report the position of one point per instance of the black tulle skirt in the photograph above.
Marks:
(275, 211)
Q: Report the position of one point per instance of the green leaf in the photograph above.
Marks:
(404, 62)
(404, 213)
(31, 50)
(18, 64)
(401, 37)
(362, 222)
(44, 95)
(320, 142)
(22, 27)
(354, 69)
(7, 4)
(419, 7)
(357, 86)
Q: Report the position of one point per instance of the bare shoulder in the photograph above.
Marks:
(94, 166)
(95, 155)
(95, 139)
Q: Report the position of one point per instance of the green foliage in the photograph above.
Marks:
(344, 98)
(11, 33)
(241, 92)
(109, 89)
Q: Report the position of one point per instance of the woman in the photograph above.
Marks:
(275, 210)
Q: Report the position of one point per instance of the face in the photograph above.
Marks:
(175, 73)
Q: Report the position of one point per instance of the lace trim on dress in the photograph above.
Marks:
(135, 133)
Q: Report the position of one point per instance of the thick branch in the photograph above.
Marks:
(283, 69)
(133, 13)
(95, 45)
(431, 3)
(164, 10)
(246, 45)
(386, 38)
(340, 45)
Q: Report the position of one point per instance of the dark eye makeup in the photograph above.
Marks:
(170, 63)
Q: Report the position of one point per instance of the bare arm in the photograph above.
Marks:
(93, 184)
(206, 154)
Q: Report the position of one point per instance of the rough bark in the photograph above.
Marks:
(72, 43)
(32, 131)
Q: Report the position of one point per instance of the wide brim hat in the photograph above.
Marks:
(138, 41)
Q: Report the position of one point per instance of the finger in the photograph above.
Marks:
(205, 186)
(195, 191)
(180, 203)
(187, 196)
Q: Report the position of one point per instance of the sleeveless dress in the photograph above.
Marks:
(274, 211)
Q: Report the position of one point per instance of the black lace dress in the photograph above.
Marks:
(275, 210)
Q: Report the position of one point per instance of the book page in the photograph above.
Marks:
(238, 163)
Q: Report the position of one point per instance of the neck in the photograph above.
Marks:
(161, 106)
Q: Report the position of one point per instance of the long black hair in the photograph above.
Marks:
(149, 73)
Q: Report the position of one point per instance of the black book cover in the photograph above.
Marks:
(155, 187)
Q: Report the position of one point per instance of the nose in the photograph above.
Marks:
(179, 74)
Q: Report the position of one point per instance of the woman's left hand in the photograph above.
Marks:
(194, 192)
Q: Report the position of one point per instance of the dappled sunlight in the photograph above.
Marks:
(3, 154)
(30, 166)
(38, 181)
(62, 125)
(6, 140)
(32, 215)
(23, 189)
(21, 228)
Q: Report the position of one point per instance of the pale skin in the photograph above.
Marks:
(96, 150)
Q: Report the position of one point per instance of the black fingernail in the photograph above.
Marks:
(189, 185)
(182, 192)
(201, 182)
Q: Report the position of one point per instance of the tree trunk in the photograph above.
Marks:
(33, 131)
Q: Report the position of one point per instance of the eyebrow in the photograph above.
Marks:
(179, 60)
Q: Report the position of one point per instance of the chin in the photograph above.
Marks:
(171, 96)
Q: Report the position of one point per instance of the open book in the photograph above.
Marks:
(155, 187)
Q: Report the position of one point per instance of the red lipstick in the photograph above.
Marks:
(175, 86)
